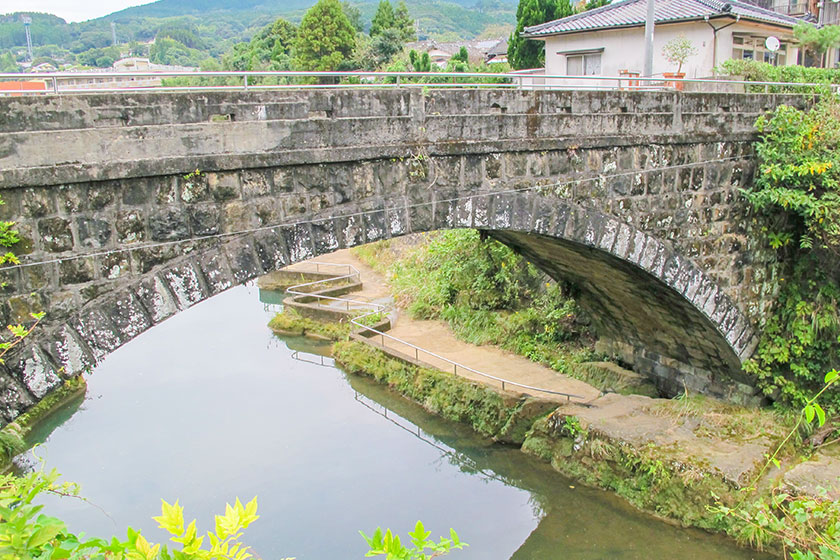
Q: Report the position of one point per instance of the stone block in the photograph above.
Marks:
(243, 259)
(35, 371)
(14, 398)
(97, 331)
(298, 241)
(375, 225)
(214, 266)
(130, 226)
(223, 186)
(324, 235)
(204, 219)
(38, 202)
(68, 353)
(183, 282)
(397, 221)
(127, 315)
(76, 271)
(255, 183)
(94, 233)
(271, 249)
(56, 235)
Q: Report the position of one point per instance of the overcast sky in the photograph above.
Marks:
(71, 10)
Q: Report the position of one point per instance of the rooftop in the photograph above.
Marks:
(632, 13)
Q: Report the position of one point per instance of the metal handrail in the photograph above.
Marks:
(379, 308)
(513, 79)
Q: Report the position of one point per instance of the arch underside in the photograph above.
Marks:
(661, 313)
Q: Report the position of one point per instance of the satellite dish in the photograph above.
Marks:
(773, 44)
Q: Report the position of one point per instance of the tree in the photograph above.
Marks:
(592, 4)
(817, 40)
(383, 18)
(678, 50)
(420, 63)
(404, 23)
(525, 53)
(354, 16)
(7, 63)
(325, 38)
(461, 56)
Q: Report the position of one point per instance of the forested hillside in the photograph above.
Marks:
(211, 27)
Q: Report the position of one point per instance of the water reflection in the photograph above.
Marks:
(209, 406)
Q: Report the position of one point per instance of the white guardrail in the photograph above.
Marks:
(379, 309)
(68, 83)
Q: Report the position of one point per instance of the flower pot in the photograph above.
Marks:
(674, 75)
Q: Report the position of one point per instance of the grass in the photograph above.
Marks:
(486, 293)
(646, 476)
(13, 435)
(725, 420)
(291, 323)
(488, 411)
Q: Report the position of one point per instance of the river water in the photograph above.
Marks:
(210, 405)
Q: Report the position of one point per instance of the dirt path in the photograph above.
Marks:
(437, 337)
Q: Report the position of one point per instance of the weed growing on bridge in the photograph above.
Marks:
(9, 237)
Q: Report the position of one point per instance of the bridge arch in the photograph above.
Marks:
(660, 311)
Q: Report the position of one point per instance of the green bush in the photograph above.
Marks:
(796, 192)
(755, 71)
(490, 295)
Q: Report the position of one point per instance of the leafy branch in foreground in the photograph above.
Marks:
(808, 527)
(28, 534)
(389, 544)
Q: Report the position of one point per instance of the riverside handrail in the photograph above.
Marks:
(513, 79)
(379, 308)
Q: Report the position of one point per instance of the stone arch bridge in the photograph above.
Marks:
(135, 206)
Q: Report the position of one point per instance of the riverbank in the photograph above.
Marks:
(677, 459)
(14, 436)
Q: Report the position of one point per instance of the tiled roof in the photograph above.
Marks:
(631, 13)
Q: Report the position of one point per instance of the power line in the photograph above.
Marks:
(354, 215)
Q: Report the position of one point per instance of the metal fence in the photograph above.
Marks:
(373, 309)
(74, 83)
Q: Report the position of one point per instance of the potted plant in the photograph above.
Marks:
(677, 51)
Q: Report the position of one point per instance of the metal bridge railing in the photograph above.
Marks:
(377, 308)
(56, 83)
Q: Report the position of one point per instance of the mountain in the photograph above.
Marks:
(457, 18)
(209, 28)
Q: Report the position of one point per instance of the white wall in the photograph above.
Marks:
(624, 48)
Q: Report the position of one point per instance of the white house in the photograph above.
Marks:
(609, 41)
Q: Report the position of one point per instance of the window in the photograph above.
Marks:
(583, 64)
(751, 47)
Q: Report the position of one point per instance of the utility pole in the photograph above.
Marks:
(114, 32)
(649, 39)
(27, 22)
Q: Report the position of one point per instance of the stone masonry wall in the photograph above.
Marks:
(107, 189)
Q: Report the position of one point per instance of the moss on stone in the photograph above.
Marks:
(14, 433)
(291, 323)
(646, 476)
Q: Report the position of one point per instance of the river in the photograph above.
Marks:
(210, 405)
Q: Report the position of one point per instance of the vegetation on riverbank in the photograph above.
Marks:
(644, 476)
(503, 416)
(13, 436)
(290, 322)
(488, 295)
